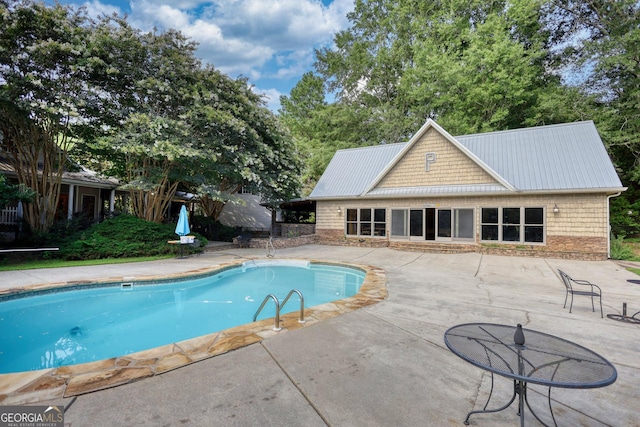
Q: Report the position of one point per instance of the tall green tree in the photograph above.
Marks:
(473, 66)
(599, 41)
(232, 125)
(319, 129)
(153, 141)
(45, 61)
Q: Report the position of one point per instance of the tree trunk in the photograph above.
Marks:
(151, 199)
(213, 207)
(37, 153)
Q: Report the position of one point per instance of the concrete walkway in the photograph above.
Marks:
(387, 364)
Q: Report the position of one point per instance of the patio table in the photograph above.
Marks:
(180, 247)
(542, 359)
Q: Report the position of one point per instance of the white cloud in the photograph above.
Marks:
(242, 35)
(95, 8)
(271, 96)
(254, 38)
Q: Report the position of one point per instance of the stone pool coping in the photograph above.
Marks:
(67, 381)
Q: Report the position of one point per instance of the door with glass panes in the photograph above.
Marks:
(438, 224)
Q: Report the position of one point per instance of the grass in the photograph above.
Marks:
(634, 245)
(634, 270)
(57, 263)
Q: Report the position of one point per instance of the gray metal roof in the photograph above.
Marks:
(557, 157)
(551, 158)
(436, 190)
(352, 170)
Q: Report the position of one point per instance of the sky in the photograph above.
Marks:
(271, 42)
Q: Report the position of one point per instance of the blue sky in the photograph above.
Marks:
(271, 42)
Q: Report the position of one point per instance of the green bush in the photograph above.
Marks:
(123, 236)
(619, 250)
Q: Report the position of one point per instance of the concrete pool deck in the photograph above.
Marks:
(384, 364)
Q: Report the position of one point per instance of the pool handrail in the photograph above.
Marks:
(276, 326)
(301, 320)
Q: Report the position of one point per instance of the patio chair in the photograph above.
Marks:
(580, 287)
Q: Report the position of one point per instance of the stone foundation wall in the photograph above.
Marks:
(279, 242)
(564, 247)
(296, 230)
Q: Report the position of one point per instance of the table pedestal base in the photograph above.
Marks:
(519, 389)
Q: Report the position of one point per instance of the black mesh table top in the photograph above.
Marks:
(542, 359)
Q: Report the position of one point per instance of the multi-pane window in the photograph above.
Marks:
(366, 222)
(519, 225)
(534, 225)
(433, 224)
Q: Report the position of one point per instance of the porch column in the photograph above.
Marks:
(70, 202)
(112, 200)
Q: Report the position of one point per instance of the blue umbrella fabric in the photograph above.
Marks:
(182, 228)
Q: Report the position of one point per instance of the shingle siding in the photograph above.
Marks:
(562, 165)
(411, 169)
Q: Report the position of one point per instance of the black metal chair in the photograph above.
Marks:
(579, 287)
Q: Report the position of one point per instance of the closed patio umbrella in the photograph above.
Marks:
(182, 228)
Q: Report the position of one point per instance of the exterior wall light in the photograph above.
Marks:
(556, 209)
(339, 211)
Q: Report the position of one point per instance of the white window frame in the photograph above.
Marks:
(455, 226)
(454, 215)
(359, 222)
(522, 225)
(405, 231)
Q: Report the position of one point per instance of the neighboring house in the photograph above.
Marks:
(542, 191)
(247, 213)
(82, 192)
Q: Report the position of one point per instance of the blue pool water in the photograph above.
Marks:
(79, 326)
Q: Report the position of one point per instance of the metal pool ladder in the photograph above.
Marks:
(276, 326)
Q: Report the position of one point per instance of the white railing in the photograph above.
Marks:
(9, 215)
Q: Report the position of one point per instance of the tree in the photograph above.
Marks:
(10, 193)
(319, 129)
(600, 43)
(153, 142)
(483, 80)
(474, 66)
(232, 125)
(44, 65)
(176, 125)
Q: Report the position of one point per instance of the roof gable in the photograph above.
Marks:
(430, 124)
(449, 163)
(566, 157)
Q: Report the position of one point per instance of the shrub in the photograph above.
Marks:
(123, 236)
(619, 250)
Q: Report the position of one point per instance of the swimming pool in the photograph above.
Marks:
(100, 321)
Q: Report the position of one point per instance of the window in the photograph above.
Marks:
(534, 225)
(511, 224)
(489, 224)
(444, 223)
(366, 222)
(399, 222)
(433, 224)
(352, 222)
(380, 222)
(463, 223)
(455, 224)
(518, 225)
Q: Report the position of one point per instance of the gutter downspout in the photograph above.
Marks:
(609, 197)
